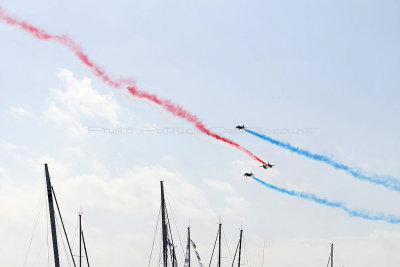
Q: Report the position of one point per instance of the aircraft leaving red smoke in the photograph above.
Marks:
(130, 83)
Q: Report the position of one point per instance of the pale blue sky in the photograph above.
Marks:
(333, 66)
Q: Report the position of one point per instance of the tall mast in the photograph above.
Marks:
(240, 246)
(188, 246)
(52, 219)
(80, 240)
(219, 245)
(332, 255)
(164, 227)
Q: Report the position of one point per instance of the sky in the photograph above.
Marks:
(321, 75)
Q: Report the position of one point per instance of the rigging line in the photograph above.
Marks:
(46, 240)
(234, 257)
(329, 260)
(62, 240)
(34, 230)
(47, 235)
(215, 243)
(76, 230)
(159, 254)
(84, 246)
(169, 227)
(173, 219)
(226, 242)
(245, 251)
(176, 228)
(62, 223)
(154, 238)
(40, 250)
(172, 240)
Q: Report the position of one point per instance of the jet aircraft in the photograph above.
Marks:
(266, 166)
(248, 174)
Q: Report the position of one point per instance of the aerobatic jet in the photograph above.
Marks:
(240, 127)
(266, 166)
(248, 174)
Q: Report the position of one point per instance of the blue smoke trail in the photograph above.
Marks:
(365, 214)
(386, 181)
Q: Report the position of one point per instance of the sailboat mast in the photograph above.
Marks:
(219, 245)
(188, 245)
(80, 240)
(52, 219)
(332, 255)
(164, 227)
(240, 247)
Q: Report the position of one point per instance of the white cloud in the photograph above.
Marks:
(64, 119)
(138, 190)
(80, 101)
(219, 186)
(12, 150)
(234, 203)
(8, 145)
(75, 151)
(2, 170)
(238, 202)
(19, 112)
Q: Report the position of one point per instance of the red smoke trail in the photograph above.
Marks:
(78, 51)
(180, 112)
(69, 43)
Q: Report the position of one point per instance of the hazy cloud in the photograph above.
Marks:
(20, 112)
(79, 100)
(2, 170)
(219, 186)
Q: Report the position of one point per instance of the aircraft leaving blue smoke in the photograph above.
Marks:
(386, 181)
(365, 214)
